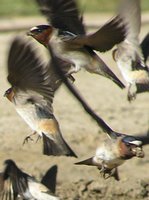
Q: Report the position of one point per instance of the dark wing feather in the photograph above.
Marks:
(18, 178)
(105, 38)
(6, 189)
(145, 47)
(62, 14)
(26, 72)
(49, 179)
(143, 138)
(87, 108)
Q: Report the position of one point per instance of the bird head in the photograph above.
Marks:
(129, 147)
(9, 94)
(41, 33)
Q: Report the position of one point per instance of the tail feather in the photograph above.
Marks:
(107, 72)
(142, 87)
(145, 47)
(50, 147)
(88, 161)
(115, 174)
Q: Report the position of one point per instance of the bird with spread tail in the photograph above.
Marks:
(67, 35)
(33, 84)
(25, 186)
(117, 148)
(128, 54)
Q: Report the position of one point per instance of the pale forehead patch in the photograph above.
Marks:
(34, 28)
(136, 142)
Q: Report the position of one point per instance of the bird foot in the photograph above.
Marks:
(107, 173)
(71, 78)
(27, 139)
(38, 138)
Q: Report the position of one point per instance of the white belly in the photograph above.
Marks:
(30, 117)
(39, 192)
(108, 158)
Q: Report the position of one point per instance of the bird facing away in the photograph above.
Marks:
(116, 149)
(23, 185)
(33, 84)
(128, 55)
(67, 35)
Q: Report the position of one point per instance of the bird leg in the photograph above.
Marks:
(29, 137)
(71, 78)
(38, 138)
(106, 173)
(132, 90)
(73, 69)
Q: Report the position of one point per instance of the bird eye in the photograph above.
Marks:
(39, 30)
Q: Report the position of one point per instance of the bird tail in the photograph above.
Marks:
(105, 71)
(111, 173)
(50, 147)
(88, 161)
(142, 87)
(115, 174)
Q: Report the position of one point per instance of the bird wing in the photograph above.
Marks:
(62, 14)
(131, 14)
(6, 189)
(29, 75)
(105, 127)
(49, 179)
(143, 138)
(110, 34)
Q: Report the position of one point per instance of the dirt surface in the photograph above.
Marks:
(82, 134)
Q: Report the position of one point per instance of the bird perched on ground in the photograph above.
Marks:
(67, 35)
(24, 185)
(128, 55)
(33, 86)
(116, 149)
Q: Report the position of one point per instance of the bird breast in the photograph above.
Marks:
(79, 57)
(108, 154)
(29, 114)
(39, 191)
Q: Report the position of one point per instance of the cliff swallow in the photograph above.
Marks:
(33, 86)
(113, 153)
(67, 35)
(128, 54)
(116, 149)
(23, 185)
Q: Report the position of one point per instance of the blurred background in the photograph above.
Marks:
(9, 8)
(79, 130)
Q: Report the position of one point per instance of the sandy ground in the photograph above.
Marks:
(82, 134)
